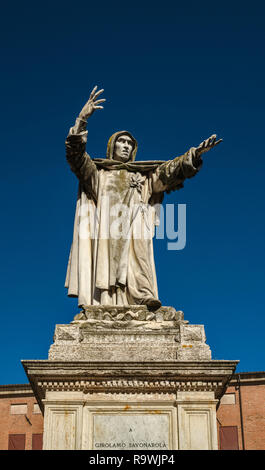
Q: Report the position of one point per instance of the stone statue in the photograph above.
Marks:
(114, 267)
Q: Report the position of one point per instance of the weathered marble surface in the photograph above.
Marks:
(78, 396)
(129, 333)
(119, 269)
(128, 316)
(131, 429)
(120, 377)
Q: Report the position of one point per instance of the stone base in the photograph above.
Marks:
(130, 379)
(129, 334)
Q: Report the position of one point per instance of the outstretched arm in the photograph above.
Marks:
(79, 161)
(171, 175)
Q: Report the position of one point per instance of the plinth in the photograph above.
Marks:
(128, 378)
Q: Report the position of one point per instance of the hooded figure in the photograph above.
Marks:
(111, 260)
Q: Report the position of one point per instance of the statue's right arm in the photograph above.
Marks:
(79, 161)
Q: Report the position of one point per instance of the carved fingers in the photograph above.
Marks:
(92, 104)
(93, 95)
(208, 144)
(205, 146)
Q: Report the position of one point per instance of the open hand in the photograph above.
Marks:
(92, 104)
(205, 146)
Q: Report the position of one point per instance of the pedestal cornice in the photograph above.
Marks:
(128, 377)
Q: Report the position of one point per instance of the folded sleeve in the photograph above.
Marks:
(79, 161)
(171, 175)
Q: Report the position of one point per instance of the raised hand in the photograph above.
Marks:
(92, 104)
(205, 146)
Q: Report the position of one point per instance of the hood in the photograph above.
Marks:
(111, 143)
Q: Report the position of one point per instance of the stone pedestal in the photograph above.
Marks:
(129, 378)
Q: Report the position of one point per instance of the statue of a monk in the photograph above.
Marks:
(118, 270)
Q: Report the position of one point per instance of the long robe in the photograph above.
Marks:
(111, 260)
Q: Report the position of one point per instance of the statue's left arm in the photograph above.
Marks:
(170, 175)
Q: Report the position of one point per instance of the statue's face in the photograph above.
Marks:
(123, 148)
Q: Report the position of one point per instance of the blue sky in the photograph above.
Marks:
(173, 74)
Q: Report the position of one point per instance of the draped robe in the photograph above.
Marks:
(107, 266)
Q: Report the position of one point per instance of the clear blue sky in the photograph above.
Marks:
(173, 74)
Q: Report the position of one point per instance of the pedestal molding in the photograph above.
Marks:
(104, 379)
(128, 377)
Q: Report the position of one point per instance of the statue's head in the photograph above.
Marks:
(122, 146)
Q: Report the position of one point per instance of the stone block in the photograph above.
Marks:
(129, 378)
(129, 333)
